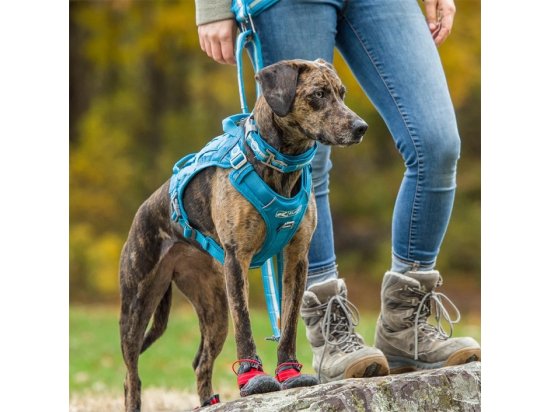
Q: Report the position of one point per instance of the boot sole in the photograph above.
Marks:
(465, 355)
(368, 367)
(300, 381)
(399, 364)
(260, 384)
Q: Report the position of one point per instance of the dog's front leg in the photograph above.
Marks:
(250, 376)
(236, 278)
(294, 281)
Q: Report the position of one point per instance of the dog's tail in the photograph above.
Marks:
(160, 320)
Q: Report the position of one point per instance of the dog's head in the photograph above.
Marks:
(309, 96)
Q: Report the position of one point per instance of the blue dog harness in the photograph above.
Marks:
(281, 215)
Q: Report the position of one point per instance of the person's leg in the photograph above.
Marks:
(306, 30)
(293, 29)
(389, 48)
(322, 259)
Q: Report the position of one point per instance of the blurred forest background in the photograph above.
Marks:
(143, 94)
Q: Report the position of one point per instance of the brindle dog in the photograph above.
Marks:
(302, 102)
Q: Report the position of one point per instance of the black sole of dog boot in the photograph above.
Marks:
(260, 384)
(300, 381)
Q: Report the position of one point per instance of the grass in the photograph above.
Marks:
(96, 365)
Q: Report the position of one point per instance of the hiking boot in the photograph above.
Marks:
(403, 333)
(338, 352)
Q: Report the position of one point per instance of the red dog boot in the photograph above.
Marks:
(214, 399)
(288, 373)
(252, 379)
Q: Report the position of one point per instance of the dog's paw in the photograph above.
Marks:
(289, 375)
(260, 384)
(213, 400)
(300, 381)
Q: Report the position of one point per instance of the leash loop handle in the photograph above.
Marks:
(244, 38)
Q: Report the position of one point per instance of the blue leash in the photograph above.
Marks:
(245, 37)
(272, 283)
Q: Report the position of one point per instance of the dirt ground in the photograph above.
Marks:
(154, 399)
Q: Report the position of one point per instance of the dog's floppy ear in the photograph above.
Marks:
(278, 83)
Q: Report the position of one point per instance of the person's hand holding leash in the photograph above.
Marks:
(217, 40)
(440, 15)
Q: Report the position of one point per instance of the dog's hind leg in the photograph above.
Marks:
(201, 281)
(142, 288)
(132, 329)
(160, 320)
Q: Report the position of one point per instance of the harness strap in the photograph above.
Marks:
(248, 368)
(281, 216)
(287, 370)
(207, 243)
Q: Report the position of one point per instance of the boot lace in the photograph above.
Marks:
(441, 313)
(337, 326)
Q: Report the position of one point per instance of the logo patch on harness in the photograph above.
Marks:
(283, 214)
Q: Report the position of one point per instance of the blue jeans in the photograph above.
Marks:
(389, 49)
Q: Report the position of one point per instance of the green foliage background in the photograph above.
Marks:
(143, 94)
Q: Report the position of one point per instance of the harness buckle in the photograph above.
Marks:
(273, 162)
(238, 158)
(249, 126)
(189, 232)
(176, 214)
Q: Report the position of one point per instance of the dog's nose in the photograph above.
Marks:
(359, 129)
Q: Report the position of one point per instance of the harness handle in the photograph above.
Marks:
(180, 163)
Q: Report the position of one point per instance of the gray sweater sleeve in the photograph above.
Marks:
(208, 11)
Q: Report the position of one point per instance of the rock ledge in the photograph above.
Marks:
(456, 388)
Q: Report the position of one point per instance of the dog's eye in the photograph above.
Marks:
(319, 94)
